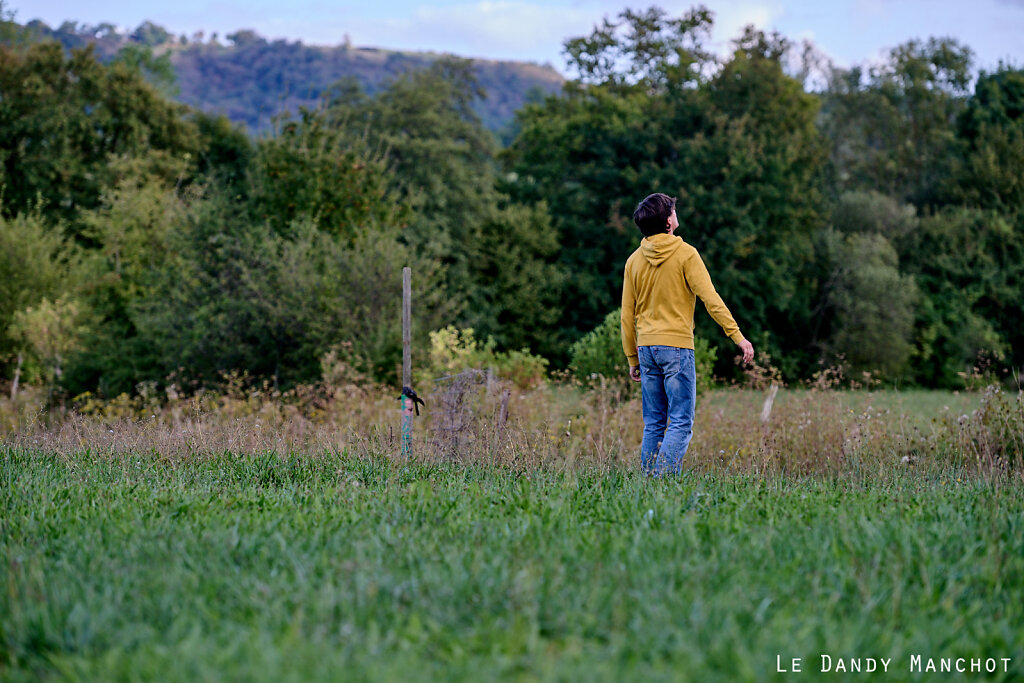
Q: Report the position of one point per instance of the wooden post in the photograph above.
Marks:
(406, 327)
(17, 376)
(407, 403)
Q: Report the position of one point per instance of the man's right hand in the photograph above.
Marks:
(634, 373)
(748, 351)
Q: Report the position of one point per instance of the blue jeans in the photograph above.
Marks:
(668, 384)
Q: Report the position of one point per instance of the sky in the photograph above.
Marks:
(848, 31)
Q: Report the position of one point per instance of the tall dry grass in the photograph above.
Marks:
(816, 429)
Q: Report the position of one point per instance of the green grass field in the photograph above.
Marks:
(305, 567)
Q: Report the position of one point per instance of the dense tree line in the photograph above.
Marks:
(874, 221)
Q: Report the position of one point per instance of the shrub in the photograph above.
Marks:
(599, 352)
(453, 350)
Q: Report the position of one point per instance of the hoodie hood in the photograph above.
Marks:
(659, 248)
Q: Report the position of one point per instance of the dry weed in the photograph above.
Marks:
(807, 430)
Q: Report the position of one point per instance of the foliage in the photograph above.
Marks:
(10, 32)
(273, 305)
(158, 70)
(50, 331)
(566, 155)
(131, 230)
(308, 170)
(497, 253)
(968, 267)
(874, 213)
(872, 303)
(890, 128)
(755, 203)
(647, 48)
(64, 119)
(991, 130)
(36, 263)
(453, 350)
(225, 152)
(878, 220)
(599, 352)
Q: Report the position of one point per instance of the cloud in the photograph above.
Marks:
(496, 28)
(731, 19)
(530, 29)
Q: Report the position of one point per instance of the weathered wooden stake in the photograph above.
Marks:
(406, 327)
(17, 376)
(407, 403)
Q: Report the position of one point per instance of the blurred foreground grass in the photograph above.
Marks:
(136, 566)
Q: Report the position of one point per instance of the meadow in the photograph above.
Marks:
(260, 537)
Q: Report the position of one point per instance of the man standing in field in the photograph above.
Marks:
(662, 281)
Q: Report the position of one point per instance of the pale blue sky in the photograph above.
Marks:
(849, 31)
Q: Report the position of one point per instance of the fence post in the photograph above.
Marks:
(407, 403)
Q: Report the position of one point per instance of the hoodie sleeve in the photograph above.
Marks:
(699, 280)
(628, 320)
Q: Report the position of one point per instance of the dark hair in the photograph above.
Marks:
(651, 215)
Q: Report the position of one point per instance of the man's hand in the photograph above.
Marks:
(634, 373)
(748, 351)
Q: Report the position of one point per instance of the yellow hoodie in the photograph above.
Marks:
(660, 286)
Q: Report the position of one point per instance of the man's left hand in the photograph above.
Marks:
(634, 373)
(748, 351)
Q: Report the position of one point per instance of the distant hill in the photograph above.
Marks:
(250, 79)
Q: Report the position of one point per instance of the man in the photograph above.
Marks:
(661, 283)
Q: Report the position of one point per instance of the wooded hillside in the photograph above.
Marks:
(251, 79)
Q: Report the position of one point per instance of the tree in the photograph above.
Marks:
(645, 48)
(158, 71)
(310, 171)
(753, 201)
(225, 153)
(966, 264)
(990, 176)
(891, 128)
(11, 34)
(150, 34)
(63, 119)
(130, 233)
(273, 305)
(594, 152)
(991, 131)
(589, 157)
(872, 305)
(497, 253)
(50, 331)
(875, 213)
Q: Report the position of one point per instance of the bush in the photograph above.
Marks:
(453, 350)
(599, 354)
